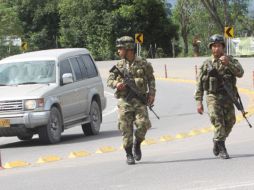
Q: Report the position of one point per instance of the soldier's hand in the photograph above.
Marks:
(200, 108)
(224, 60)
(150, 100)
(120, 86)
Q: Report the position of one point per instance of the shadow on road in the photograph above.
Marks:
(177, 161)
(65, 139)
(241, 156)
(196, 159)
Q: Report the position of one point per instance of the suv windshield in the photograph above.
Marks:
(29, 72)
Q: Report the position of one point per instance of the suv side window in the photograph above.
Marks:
(76, 68)
(91, 69)
(65, 67)
(82, 67)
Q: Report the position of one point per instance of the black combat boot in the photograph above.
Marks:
(137, 150)
(216, 150)
(223, 151)
(130, 159)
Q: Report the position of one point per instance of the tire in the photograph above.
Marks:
(25, 137)
(51, 133)
(93, 128)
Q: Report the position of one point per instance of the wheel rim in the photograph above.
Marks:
(95, 117)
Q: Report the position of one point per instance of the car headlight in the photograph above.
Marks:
(34, 104)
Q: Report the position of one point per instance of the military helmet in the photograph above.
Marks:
(216, 38)
(126, 42)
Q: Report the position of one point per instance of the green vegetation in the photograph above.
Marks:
(95, 24)
(201, 19)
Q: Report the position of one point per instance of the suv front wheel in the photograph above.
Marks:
(93, 128)
(51, 133)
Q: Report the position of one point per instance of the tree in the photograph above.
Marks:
(87, 23)
(96, 24)
(148, 17)
(40, 21)
(202, 19)
(9, 30)
(211, 7)
(225, 12)
(245, 26)
(183, 13)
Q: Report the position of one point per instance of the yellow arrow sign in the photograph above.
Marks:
(24, 46)
(228, 32)
(139, 38)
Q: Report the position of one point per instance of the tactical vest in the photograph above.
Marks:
(214, 75)
(138, 72)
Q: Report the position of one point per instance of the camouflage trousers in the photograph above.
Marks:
(129, 114)
(222, 115)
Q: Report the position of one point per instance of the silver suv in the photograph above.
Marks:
(45, 92)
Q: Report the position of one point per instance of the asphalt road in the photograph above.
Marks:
(184, 162)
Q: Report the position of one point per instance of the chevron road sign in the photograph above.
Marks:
(139, 38)
(24, 46)
(228, 32)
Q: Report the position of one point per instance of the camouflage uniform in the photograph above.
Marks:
(134, 111)
(220, 106)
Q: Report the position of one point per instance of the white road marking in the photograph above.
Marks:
(111, 110)
(109, 93)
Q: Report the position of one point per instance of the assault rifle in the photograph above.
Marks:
(236, 100)
(226, 84)
(133, 90)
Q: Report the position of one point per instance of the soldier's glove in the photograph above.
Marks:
(120, 86)
(200, 108)
(150, 100)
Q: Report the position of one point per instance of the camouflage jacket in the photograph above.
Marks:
(204, 83)
(141, 72)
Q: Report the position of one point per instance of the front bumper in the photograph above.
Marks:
(23, 123)
(27, 119)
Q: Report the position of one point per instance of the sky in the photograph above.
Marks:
(251, 8)
(172, 2)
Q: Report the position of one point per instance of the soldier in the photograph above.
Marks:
(132, 111)
(220, 106)
(195, 44)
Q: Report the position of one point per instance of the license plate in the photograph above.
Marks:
(5, 123)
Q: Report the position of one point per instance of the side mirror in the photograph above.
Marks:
(67, 78)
